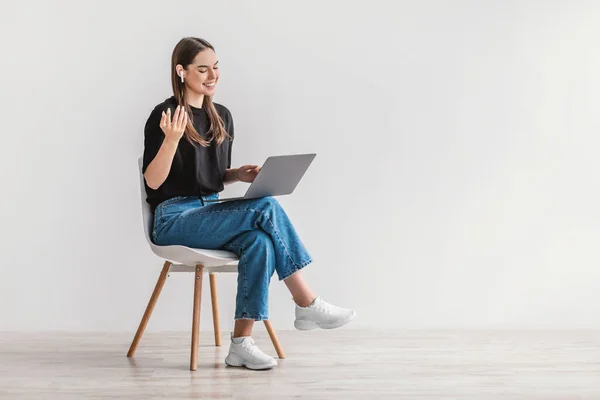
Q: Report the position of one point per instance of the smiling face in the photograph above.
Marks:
(202, 75)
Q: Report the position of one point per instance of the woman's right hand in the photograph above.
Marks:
(174, 129)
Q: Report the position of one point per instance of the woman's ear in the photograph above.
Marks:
(179, 70)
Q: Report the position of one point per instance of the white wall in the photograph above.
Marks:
(455, 184)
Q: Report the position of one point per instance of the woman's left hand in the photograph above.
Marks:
(247, 173)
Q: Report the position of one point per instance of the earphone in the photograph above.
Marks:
(181, 75)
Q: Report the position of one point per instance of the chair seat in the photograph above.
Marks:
(192, 257)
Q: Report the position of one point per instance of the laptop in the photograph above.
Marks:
(278, 176)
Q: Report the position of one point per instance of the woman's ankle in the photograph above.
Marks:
(305, 302)
(242, 327)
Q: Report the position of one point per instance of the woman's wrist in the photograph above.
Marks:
(232, 175)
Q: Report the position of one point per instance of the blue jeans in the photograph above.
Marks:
(257, 230)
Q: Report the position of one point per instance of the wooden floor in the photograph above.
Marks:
(342, 364)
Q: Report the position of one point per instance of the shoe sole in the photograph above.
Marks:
(303, 325)
(235, 361)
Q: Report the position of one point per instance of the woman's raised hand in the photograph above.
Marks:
(174, 129)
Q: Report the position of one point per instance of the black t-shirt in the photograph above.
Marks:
(196, 170)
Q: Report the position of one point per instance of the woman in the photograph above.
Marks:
(187, 160)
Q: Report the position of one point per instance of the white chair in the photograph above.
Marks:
(198, 261)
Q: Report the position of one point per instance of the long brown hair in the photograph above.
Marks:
(184, 53)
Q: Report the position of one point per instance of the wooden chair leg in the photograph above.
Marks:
(274, 339)
(157, 289)
(196, 317)
(215, 308)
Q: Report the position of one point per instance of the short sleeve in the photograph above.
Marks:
(153, 138)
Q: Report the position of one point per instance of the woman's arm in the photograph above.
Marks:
(245, 173)
(231, 176)
(158, 170)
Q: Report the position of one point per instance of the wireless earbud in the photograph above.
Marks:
(181, 75)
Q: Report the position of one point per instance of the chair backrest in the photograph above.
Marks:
(147, 216)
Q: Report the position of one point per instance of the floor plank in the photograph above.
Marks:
(339, 364)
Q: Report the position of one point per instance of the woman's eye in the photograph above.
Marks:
(202, 72)
(216, 68)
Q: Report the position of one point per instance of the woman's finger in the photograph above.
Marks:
(183, 121)
(180, 116)
(176, 118)
(162, 120)
(168, 121)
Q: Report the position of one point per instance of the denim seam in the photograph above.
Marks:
(242, 253)
(246, 209)
(172, 200)
(304, 264)
(258, 317)
(161, 224)
(241, 248)
(279, 238)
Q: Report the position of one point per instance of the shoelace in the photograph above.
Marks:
(250, 347)
(324, 307)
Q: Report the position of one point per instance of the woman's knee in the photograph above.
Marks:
(268, 202)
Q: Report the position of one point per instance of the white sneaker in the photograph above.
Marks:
(247, 354)
(321, 314)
